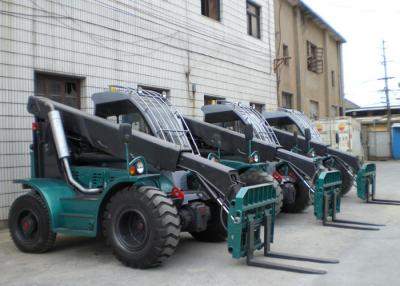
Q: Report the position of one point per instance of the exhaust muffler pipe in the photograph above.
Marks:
(62, 149)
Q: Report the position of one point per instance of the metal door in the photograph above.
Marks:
(379, 145)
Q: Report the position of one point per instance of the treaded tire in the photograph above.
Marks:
(347, 179)
(142, 226)
(302, 200)
(216, 231)
(255, 177)
(29, 224)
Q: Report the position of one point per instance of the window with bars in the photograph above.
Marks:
(62, 89)
(211, 9)
(253, 20)
(315, 61)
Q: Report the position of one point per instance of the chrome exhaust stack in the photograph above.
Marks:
(62, 149)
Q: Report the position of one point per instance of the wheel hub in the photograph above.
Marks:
(133, 229)
(28, 225)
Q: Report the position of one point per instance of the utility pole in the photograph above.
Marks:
(387, 94)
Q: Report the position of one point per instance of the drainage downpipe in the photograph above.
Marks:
(62, 149)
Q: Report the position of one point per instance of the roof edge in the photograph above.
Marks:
(317, 19)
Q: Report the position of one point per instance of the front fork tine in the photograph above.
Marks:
(283, 267)
(302, 258)
(267, 253)
(372, 200)
(343, 223)
(331, 224)
(384, 202)
(357, 222)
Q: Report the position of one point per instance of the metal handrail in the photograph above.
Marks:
(303, 122)
(261, 128)
(165, 121)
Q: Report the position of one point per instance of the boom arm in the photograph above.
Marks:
(110, 138)
(231, 141)
(289, 142)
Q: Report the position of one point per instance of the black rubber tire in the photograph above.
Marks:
(302, 200)
(161, 225)
(216, 231)
(31, 210)
(256, 177)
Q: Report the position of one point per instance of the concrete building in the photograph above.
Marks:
(308, 61)
(194, 52)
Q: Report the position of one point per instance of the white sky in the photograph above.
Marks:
(364, 24)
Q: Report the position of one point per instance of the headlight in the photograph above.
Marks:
(139, 167)
(256, 158)
(213, 157)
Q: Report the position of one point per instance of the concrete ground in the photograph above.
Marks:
(366, 257)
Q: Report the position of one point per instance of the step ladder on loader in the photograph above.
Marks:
(254, 209)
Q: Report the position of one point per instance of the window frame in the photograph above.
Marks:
(333, 78)
(334, 109)
(212, 98)
(285, 54)
(256, 104)
(46, 79)
(315, 62)
(284, 95)
(205, 9)
(316, 103)
(249, 16)
(157, 89)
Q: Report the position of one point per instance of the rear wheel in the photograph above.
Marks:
(347, 179)
(29, 224)
(142, 226)
(256, 177)
(302, 199)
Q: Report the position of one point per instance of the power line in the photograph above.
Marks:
(184, 30)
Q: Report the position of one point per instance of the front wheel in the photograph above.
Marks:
(256, 177)
(142, 226)
(216, 227)
(29, 224)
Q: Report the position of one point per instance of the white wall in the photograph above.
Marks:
(141, 41)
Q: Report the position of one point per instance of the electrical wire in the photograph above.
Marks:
(115, 30)
(181, 25)
(9, 13)
(170, 36)
(176, 23)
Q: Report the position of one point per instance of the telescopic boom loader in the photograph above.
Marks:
(297, 133)
(93, 176)
(233, 118)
